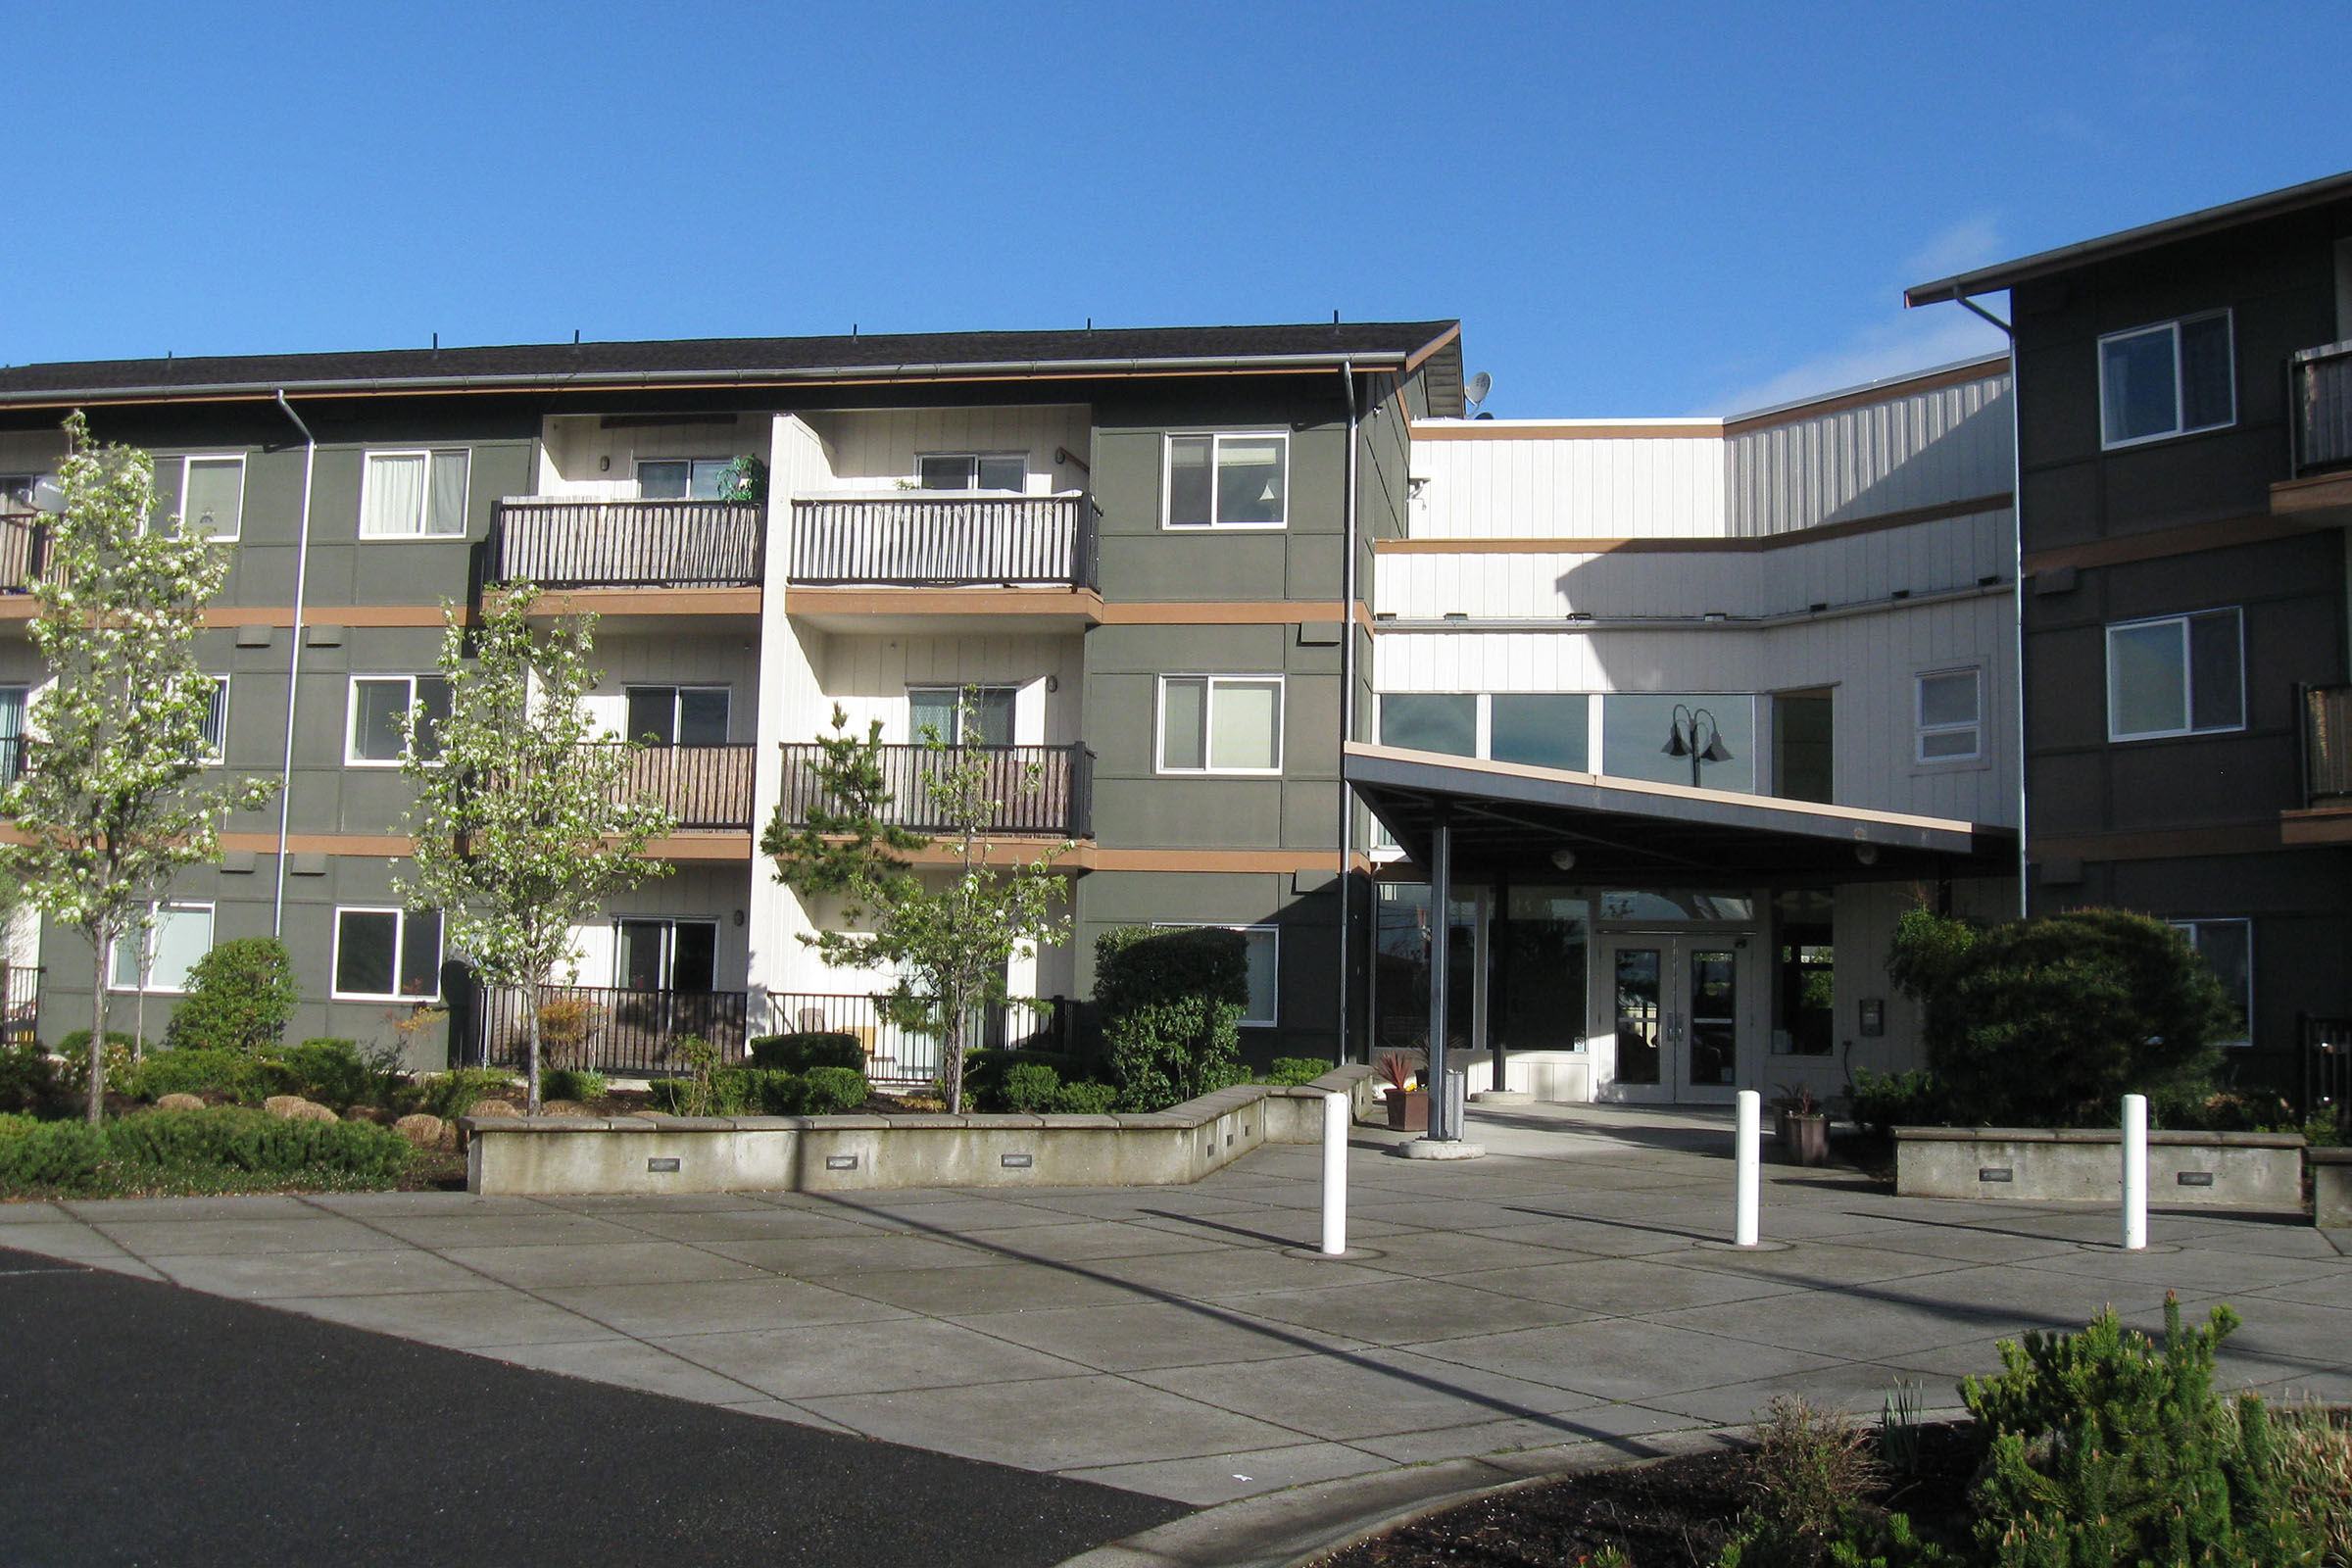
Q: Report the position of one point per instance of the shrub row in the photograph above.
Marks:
(763, 1092)
(193, 1150)
(798, 1052)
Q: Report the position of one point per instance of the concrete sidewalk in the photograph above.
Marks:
(1173, 1340)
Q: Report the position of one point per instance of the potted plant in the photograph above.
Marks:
(1804, 1126)
(1408, 1108)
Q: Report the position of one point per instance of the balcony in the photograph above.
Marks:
(1060, 805)
(2321, 384)
(944, 540)
(556, 543)
(704, 787)
(24, 563)
(2326, 735)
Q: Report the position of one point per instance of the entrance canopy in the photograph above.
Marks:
(1508, 819)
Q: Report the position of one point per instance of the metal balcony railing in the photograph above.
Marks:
(554, 543)
(2327, 746)
(1057, 800)
(931, 541)
(903, 1059)
(701, 786)
(2320, 386)
(595, 1027)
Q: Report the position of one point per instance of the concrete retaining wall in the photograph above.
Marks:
(571, 1155)
(2244, 1170)
(2330, 1187)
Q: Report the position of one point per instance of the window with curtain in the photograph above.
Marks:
(1220, 723)
(178, 935)
(413, 495)
(14, 700)
(981, 716)
(212, 495)
(1228, 481)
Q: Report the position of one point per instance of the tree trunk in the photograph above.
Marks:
(530, 1033)
(97, 1106)
(951, 1068)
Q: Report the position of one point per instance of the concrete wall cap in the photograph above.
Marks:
(2327, 1157)
(925, 1119)
(771, 1124)
(533, 1124)
(1005, 1118)
(847, 1122)
(2167, 1137)
(1076, 1120)
(1159, 1118)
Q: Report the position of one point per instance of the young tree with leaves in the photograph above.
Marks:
(524, 819)
(950, 944)
(109, 804)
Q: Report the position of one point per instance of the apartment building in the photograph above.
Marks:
(1149, 551)
(1674, 718)
(2185, 419)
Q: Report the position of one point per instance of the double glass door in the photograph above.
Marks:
(1679, 1005)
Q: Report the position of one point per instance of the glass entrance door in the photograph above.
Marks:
(1678, 1007)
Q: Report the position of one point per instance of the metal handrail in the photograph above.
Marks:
(1056, 800)
(700, 786)
(915, 539)
(554, 542)
(2327, 745)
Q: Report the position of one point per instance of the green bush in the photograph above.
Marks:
(239, 998)
(455, 1093)
(573, 1083)
(27, 1077)
(191, 1071)
(2050, 1021)
(984, 1072)
(1171, 1004)
(120, 1063)
(1883, 1101)
(733, 1092)
(1030, 1086)
(1292, 1071)
(199, 1150)
(1087, 1098)
(332, 1072)
(831, 1091)
(798, 1052)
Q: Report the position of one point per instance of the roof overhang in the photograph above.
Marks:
(1509, 819)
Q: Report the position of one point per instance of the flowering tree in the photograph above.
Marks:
(108, 806)
(524, 822)
(950, 944)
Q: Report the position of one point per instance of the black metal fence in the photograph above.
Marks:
(2328, 1071)
(701, 786)
(20, 1004)
(908, 1058)
(2327, 745)
(918, 540)
(1038, 789)
(2322, 387)
(625, 544)
(597, 1027)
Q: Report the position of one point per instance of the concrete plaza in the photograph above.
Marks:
(1570, 1287)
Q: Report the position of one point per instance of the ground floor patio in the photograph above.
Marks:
(1570, 1287)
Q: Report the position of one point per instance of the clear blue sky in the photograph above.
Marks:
(1633, 209)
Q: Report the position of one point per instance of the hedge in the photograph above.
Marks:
(766, 1092)
(197, 1150)
(1171, 1001)
(816, 1048)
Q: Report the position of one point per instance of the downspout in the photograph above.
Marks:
(2017, 576)
(301, 566)
(1348, 713)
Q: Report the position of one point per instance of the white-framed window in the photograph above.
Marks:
(2175, 675)
(972, 470)
(379, 703)
(415, 494)
(1220, 723)
(15, 700)
(388, 955)
(215, 722)
(1262, 945)
(2167, 379)
(2228, 948)
(678, 715)
(655, 953)
(1238, 480)
(1948, 709)
(210, 489)
(180, 934)
(1534, 729)
(682, 479)
(978, 715)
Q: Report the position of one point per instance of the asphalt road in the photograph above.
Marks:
(144, 1424)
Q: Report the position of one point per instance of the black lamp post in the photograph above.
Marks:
(1683, 739)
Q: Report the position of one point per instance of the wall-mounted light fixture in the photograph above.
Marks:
(1565, 860)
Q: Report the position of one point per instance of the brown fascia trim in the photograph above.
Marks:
(742, 381)
(2169, 844)
(713, 846)
(2228, 533)
(1277, 861)
(1414, 361)
(1083, 603)
(1968, 507)
(1553, 430)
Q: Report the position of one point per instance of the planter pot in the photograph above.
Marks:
(1408, 1110)
(1805, 1139)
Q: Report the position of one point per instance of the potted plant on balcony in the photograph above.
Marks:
(744, 479)
(1408, 1108)
(1804, 1126)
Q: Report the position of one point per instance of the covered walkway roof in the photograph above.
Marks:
(1508, 819)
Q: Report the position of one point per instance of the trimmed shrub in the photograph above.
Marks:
(1292, 1071)
(2050, 1021)
(832, 1091)
(1030, 1086)
(984, 1072)
(199, 1150)
(39, 1155)
(1086, 1099)
(27, 1077)
(1171, 1004)
(573, 1083)
(734, 1092)
(798, 1052)
(453, 1094)
(192, 1072)
(239, 998)
(332, 1072)
(1883, 1101)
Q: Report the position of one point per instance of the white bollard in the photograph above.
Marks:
(1750, 1167)
(2135, 1172)
(1335, 1109)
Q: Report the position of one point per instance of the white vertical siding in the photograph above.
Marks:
(1920, 449)
(1582, 487)
(868, 677)
(873, 450)
(581, 459)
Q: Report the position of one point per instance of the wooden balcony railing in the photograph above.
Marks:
(1060, 805)
(24, 552)
(2327, 746)
(2321, 388)
(701, 786)
(918, 540)
(554, 543)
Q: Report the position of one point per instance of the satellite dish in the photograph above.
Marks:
(48, 496)
(1480, 385)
